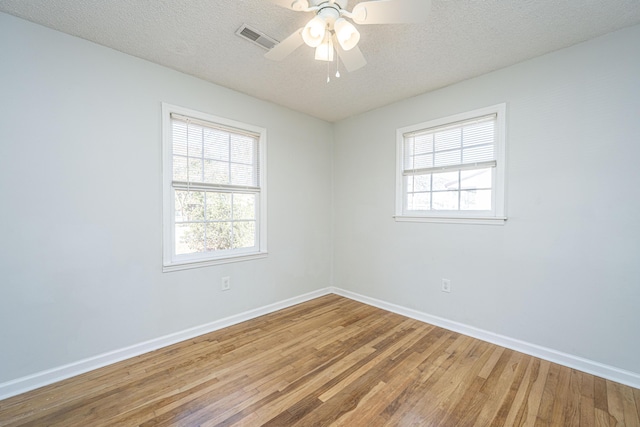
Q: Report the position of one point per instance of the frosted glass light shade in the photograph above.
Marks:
(348, 36)
(324, 52)
(314, 32)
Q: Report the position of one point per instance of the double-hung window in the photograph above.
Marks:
(214, 189)
(453, 169)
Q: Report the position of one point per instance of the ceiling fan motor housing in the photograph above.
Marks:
(329, 14)
(342, 4)
(303, 5)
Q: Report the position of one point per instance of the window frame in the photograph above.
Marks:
(497, 215)
(173, 262)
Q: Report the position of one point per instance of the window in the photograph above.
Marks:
(214, 191)
(452, 169)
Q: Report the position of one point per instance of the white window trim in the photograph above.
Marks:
(169, 263)
(498, 215)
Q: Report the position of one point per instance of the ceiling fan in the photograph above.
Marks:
(328, 30)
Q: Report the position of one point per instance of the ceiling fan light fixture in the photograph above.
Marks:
(324, 51)
(348, 36)
(330, 31)
(314, 32)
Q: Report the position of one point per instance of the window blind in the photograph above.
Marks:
(470, 144)
(206, 155)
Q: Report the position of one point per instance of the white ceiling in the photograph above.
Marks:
(460, 39)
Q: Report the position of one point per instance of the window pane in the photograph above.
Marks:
(422, 182)
(480, 153)
(244, 206)
(476, 200)
(477, 178)
(445, 181)
(189, 205)
(408, 184)
(216, 145)
(242, 175)
(218, 206)
(448, 158)
(418, 201)
(423, 161)
(218, 236)
(179, 168)
(242, 149)
(179, 137)
(195, 170)
(478, 133)
(448, 139)
(189, 238)
(408, 161)
(216, 172)
(423, 144)
(195, 141)
(244, 234)
(446, 200)
(408, 152)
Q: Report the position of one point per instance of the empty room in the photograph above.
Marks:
(319, 213)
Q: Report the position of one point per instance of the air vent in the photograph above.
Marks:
(256, 37)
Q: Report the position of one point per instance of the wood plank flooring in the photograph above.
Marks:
(329, 362)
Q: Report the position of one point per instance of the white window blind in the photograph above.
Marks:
(466, 145)
(214, 156)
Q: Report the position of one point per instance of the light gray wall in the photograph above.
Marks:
(564, 272)
(80, 191)
(80, 221)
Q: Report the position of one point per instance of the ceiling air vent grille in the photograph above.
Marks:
(257, 37)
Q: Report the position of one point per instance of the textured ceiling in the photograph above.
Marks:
(459, 40)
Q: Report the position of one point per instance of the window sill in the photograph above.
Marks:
(186, 265)
(452, 220)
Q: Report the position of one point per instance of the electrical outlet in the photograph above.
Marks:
(226, 283)
(446, 285)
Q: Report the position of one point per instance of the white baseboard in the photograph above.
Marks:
(50, 376)
(629, 378)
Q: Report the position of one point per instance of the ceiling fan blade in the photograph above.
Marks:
(352, 58)
(286, 46)
(391, 11)
(296, 5)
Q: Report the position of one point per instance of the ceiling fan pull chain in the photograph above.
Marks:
(337, 66)
(328, 71)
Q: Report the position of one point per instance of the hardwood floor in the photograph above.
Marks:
(330, 361)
